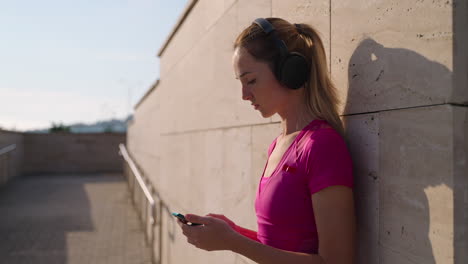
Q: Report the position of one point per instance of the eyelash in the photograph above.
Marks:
(252, 81)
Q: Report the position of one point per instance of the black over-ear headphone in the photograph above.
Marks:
(291, 69)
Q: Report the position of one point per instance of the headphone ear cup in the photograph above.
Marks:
(294, 71)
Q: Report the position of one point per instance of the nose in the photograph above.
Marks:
(246, 94)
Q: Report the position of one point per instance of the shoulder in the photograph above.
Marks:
(323, 138)
(321, 133)
(323, 145)
(326, 160)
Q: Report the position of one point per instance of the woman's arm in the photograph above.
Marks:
(334, 215)
(336, 224)
(241, 230)
(247, 233)
(216, 234)
(261, 253)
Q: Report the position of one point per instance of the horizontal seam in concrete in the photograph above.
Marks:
(263, 124)
(396, 109)
(146, 153)
(460, 105)
(215, 128)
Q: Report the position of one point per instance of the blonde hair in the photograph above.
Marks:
(321, 96)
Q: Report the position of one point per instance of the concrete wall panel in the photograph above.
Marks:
(314, 13)
(146, 135)
(201, 19)
(207, 177)
(175, 171)
(416, 185)
(248, 11)
(185, 187)
(208, 77)
(143, 140)
(238, 203)
(391, 54)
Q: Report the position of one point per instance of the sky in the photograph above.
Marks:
(64, 61)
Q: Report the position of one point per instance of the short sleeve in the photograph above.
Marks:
(328, 161)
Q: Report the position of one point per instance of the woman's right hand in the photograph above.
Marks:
(225, 219)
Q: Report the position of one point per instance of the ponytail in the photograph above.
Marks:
(321, 95)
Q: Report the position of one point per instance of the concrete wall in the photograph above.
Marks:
(401, 69)
(72, 153)
(10, 163)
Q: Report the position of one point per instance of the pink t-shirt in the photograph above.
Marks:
(317, 158)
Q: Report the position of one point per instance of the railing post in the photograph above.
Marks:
(147, 222)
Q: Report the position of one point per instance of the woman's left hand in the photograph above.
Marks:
(214, 234)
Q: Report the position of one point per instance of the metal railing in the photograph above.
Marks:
(147, 213)
(4, 162)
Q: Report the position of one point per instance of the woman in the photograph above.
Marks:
(304, 203)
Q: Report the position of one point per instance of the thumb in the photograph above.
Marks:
(197, 219)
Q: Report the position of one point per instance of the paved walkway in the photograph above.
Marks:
(70, 219)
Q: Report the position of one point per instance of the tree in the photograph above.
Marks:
(108, 129)
(59, 127)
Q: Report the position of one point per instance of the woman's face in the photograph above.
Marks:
(259, 85)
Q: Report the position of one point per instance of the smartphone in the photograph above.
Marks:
(181, 217)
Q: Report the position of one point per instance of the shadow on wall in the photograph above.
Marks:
(397, 207)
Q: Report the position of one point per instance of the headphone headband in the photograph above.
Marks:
(269, 29)
(265, 25)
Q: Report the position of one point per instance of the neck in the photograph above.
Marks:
(294, 118)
